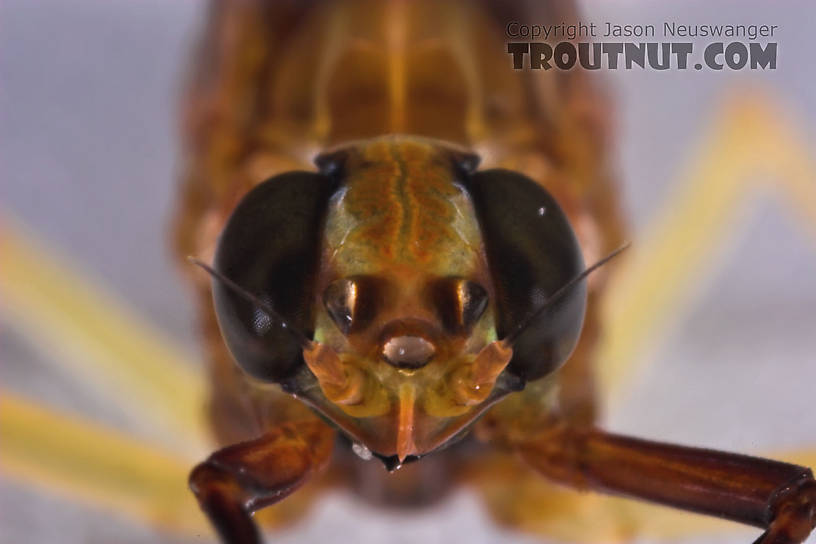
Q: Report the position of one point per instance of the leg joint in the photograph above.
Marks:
(792, 510)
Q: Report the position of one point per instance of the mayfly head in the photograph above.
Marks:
(398, 291)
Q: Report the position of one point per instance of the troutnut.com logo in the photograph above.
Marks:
(730, 47)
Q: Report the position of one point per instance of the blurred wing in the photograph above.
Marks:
(750, 143)
(90, 335)
(96, 465)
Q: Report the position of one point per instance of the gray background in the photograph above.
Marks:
(88, 147)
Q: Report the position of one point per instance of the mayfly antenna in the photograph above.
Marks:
(301, 338)
(526, 322)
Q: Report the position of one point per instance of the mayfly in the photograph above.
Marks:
(404, 222)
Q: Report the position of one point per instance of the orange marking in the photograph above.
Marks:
(395, 28)
(401, 196)
(405, 425)
(325, 365)
(490, 362)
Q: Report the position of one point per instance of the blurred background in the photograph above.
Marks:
(718, 184)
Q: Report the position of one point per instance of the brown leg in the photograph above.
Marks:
(778, 497)
(238, 480)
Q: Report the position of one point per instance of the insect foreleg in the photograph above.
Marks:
(241, 479)
(776, 496)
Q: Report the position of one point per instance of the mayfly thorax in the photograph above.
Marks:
(399, 224)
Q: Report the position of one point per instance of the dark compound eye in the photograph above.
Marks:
(459, 302)
(532, 252)
(269, 247)
(352, 302)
